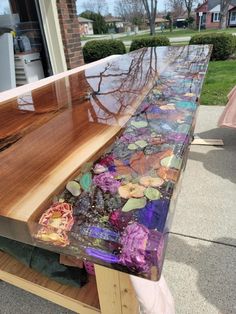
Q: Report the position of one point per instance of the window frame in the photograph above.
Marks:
(233, 14)
(214, 19)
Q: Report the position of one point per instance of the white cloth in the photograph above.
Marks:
(228, 116)
(154, 296)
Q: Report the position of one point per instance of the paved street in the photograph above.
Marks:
(128, 42)
(200, 260)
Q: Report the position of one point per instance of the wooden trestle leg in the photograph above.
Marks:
(115, 291)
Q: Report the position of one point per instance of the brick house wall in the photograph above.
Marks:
(208, 16)
(209, 24)
(202, 8)
(70, 33)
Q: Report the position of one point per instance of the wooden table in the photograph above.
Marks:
(51, 128)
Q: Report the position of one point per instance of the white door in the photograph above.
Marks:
(7, 64)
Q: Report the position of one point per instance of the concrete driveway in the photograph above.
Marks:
(201, 254)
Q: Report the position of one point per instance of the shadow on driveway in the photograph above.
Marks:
(215, 264)
(218, 160)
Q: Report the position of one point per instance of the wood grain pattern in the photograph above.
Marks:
(129, 302)
(116, 293)
(109, 290)
(81, 300)
(207, 142)
(61, 126)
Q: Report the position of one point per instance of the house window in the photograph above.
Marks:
(233, 17)
(216, 17)
(204, 18)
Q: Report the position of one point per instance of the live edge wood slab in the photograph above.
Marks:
(34, 158)
(49, 129)
(48, 133)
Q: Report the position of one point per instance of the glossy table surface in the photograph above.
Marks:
(114, 138)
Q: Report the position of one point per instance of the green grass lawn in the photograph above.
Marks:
(220, 79)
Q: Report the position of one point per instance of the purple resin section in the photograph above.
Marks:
(102, 255)
(134, 242)
(153, 215)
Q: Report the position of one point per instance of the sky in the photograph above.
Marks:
(160, 5)
(3, 4)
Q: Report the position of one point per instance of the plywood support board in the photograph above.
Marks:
(80, 300)
(112, 289)
(207, 142)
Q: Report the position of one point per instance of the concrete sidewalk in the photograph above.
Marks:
(128, 42)
(200, 260)
(171, 39)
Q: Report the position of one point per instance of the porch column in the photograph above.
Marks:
(69, 26)
(53, 36)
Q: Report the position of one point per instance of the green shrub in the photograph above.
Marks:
(234, 50)
(97, 49)
(223, 44)
(152, 41)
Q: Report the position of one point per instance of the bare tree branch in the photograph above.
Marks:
(141, 71)
(189, 6)
(97, 6)
(176, 7)
(130, 11)
(151, 10)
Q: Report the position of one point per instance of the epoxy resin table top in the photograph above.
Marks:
(113, 137)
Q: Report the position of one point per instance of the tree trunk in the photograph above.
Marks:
(152, 28)
(224, 7)
(151, 10)
(223, 21)
(189, 12)
(171, 24)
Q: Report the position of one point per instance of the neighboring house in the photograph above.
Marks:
(159, 21)
(232, 17)
(114, 23)
(210, 11)
(85, 26)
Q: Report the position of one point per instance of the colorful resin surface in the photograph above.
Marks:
(116, 210)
